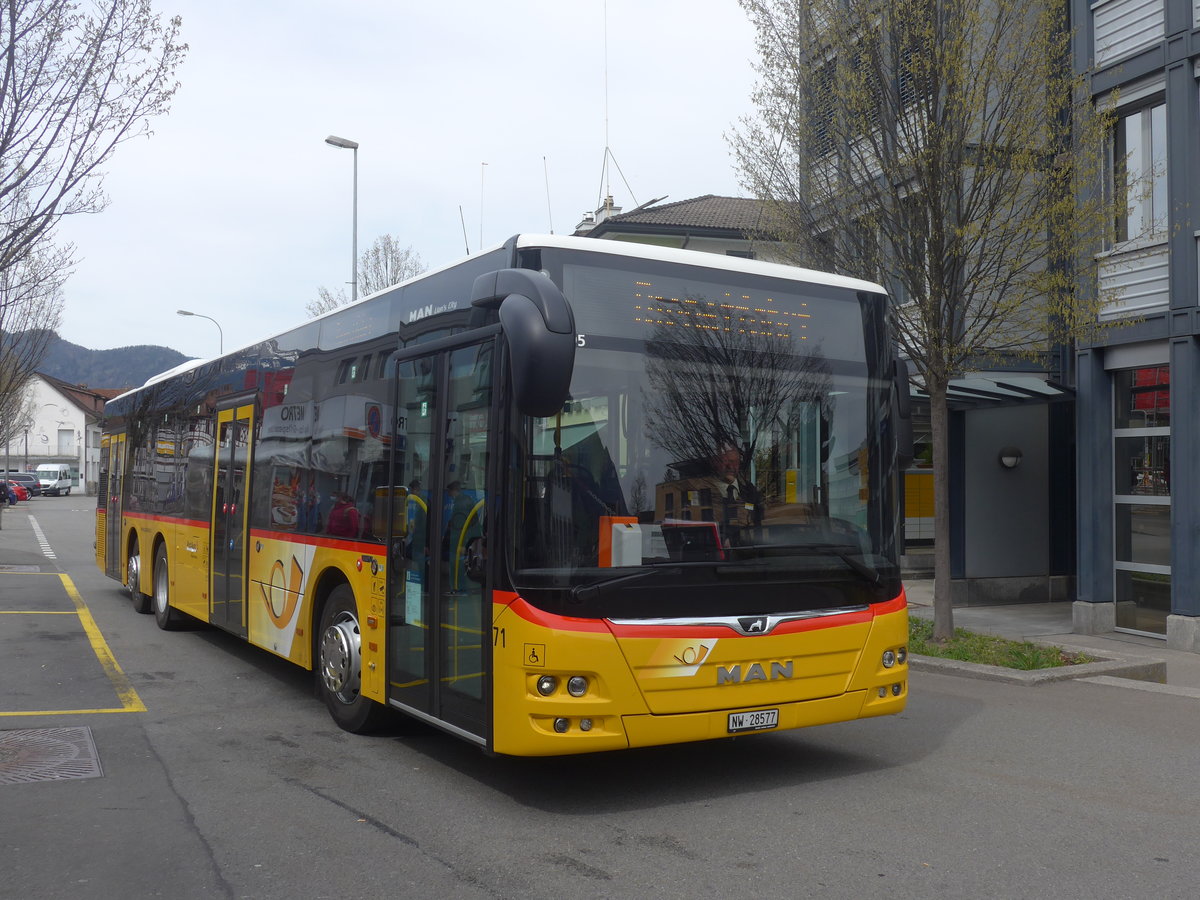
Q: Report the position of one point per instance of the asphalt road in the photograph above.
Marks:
(233, 782)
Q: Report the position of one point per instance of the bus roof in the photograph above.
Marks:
(634, 250)
(625, 249)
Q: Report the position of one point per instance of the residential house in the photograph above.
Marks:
(731, 226)
(61, 425)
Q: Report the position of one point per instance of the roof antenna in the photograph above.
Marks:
(482, 172)
(463, 219)
(549, 213)
(605, 179)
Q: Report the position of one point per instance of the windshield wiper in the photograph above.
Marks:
(585, 593)
(823, 549)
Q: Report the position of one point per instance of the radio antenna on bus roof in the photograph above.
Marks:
(549, 211)
(605, 179)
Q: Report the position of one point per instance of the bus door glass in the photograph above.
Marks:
(439, 607)
(227, 607)
(115, 558)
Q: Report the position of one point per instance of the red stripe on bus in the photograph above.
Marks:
(166, 520)
(547, 620)
(319, 540)
(572, 623)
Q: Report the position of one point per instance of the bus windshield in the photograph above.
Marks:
(724, 432)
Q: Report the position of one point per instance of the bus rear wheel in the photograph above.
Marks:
(167, 618)
(339, 666)
(133, 580)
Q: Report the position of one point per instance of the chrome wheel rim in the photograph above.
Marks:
(160, 590)
(341, 658)
(134, 576)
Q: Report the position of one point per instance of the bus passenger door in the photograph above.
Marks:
(227, 603)
(114, 554)
(439, 613)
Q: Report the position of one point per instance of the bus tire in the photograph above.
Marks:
(339, 666)
(167, 618)
(133, 579)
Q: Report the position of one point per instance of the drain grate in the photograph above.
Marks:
(48, 754)
(21, 570)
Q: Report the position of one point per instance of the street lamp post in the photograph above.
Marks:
(220, 332)
(346, 144)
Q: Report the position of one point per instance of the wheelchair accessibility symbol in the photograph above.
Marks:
(535, 654)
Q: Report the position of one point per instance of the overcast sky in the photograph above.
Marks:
(236, 208)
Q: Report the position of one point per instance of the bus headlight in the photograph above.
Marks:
(889, 658)
(902, 655)
(561, 725)
(577, 686)
(547, 685)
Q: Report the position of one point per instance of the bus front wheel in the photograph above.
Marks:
(339, 666)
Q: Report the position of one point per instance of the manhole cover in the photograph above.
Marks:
(47, 754)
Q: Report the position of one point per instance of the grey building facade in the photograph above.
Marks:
(1138, 512)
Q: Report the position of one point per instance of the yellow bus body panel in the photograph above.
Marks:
(188, 562)
(284, 578)
(662, 690)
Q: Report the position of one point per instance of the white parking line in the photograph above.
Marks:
(47, 550)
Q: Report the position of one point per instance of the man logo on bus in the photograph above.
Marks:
(755, 672)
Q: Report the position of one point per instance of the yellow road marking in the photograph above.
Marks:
(130, 701)
(37, 612)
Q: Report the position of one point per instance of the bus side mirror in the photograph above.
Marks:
(540, 328)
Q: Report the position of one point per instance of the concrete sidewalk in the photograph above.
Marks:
(1051, 623)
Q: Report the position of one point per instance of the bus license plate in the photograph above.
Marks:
(758, 720)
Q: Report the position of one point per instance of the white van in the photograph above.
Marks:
(55, 478)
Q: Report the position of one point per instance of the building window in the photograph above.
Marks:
(1140, 172)
(1142, 499)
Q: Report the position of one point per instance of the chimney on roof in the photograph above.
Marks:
(590, 220)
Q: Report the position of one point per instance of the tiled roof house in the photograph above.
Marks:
(713, 224)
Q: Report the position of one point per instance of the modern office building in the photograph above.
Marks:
(1139, 515)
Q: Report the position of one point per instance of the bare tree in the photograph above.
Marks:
(946, 148)
(77, 81)
(31, 304)
(380, 266)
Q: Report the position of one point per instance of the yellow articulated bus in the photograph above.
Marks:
(564, 496)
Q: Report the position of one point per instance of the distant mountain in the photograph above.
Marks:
(124, 367)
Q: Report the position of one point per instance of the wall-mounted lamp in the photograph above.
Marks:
(1010, 457)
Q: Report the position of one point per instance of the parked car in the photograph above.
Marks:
(55, 478)
(27, 481)
(13, 492)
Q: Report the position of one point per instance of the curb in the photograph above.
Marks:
(1141, 669)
